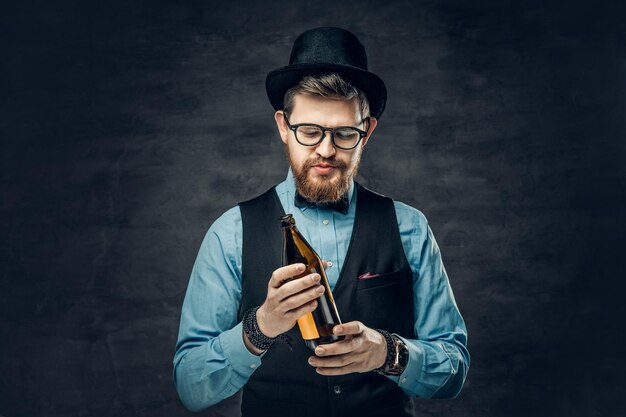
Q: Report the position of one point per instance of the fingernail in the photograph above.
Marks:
(310, 361)
(320, 351)
(301, 267)
(337, 329)
(320, 289)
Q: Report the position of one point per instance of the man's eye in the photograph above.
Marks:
(343, 134)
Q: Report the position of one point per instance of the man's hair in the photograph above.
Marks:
(332, 86)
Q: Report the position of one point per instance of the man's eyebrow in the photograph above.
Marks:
(342, 123)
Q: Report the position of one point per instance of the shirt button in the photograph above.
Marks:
(337, 389)
(329, 263)
(253, 366)
(325, 221)
(403, 380)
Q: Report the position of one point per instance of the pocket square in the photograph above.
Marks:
(368, 275)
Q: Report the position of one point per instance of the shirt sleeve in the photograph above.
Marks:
(438, 357)
(211, 362)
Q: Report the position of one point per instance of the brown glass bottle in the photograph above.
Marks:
(316, 327)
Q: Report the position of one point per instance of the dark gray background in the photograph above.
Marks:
(127, 129)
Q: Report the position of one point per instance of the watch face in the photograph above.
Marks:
(403, 356)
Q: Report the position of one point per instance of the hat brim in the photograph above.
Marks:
(280, 80)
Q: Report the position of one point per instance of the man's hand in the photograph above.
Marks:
(286, 302)
(362, 350)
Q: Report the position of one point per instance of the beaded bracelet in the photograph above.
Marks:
(256, 336)
(391, 352)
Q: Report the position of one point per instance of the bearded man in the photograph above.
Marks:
(404, 337)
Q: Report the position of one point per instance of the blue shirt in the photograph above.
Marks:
(211, 361)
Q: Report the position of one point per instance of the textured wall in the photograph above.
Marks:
(127, 129)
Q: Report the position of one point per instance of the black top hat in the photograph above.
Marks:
(321, 51)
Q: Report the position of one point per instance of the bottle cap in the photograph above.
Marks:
(287, 221)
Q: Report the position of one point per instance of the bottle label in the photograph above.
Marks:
(308, 327)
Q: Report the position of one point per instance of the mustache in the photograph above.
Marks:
(339, 164)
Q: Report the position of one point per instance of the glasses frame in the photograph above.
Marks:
(332, 130)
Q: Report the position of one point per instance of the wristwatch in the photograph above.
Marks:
(397, 355)
(401, 357)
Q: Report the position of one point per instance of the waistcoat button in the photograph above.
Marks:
(337, 389)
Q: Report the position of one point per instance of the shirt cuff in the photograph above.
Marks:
(243, 362)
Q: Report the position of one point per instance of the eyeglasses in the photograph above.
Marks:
(342, 137)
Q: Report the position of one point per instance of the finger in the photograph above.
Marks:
(301, 298)
(297, 285)
(347, 345)
(325, 264)
(285, 272)
(344, 370)
(350, 328)
(301, 311)
(338, 361)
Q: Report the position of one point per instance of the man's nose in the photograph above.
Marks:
(325, 148)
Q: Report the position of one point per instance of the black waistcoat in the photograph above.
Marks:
(285, 384)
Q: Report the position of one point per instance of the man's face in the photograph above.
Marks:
(323, 173)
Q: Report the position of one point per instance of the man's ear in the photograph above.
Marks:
(372, 125)
(282, 125)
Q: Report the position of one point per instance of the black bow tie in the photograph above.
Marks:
(341, 205)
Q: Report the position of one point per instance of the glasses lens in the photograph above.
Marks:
(308, 135)
(346, 137)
